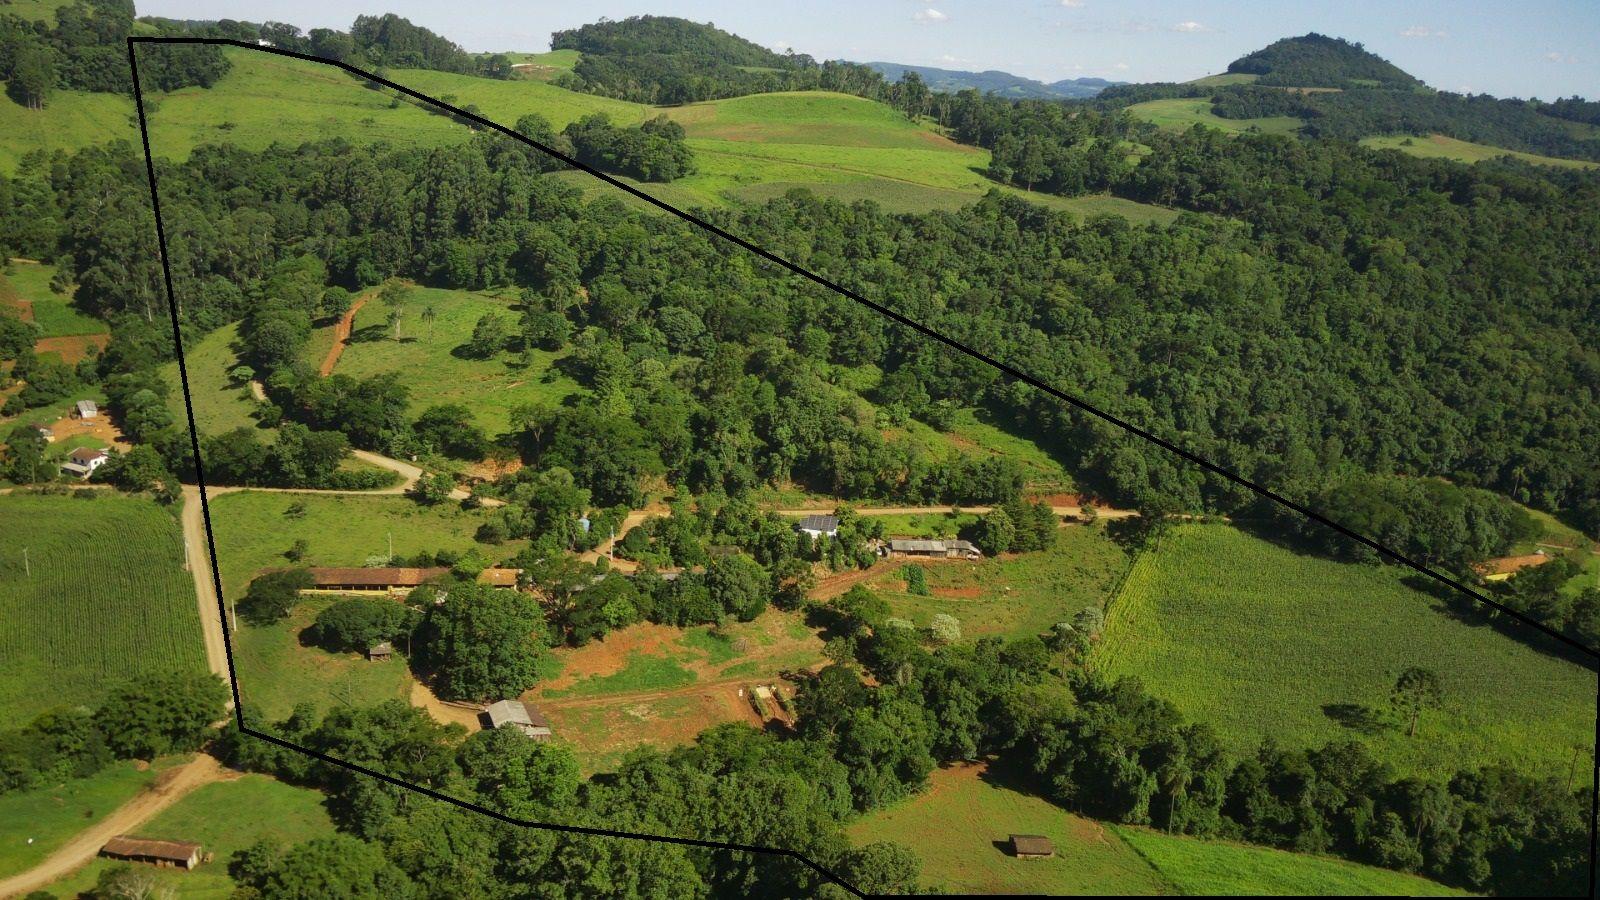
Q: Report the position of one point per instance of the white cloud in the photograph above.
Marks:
(1423, 31)
(930, 16)
(1072, 4)
(1558, 57)
(1121, 67)
(1192, 27)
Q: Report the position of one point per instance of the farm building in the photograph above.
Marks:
(923, 549)
(1031, 846)
(45, 432)
(519, 715)
(85, 409)
(380, 651)
(818, 526)
(83, 461)
(383, 580)
(501, 578)
(172, 854)
(1503, 567)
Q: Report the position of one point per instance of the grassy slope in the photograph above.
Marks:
(1179, 114)
(1202, 867)
(1015, 596)
(220, 404)
(953, 828)
(1257, 640)
(50, 816)
(1437, 146)
(435, 372)
(52, 312)
(107, 598)
(70, 119)
(224, 818)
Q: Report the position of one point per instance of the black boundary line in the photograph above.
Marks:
(1590, 652)
(216, 580)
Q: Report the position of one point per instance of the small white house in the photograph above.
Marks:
(86, 409)
(818, 526)
(83, 461)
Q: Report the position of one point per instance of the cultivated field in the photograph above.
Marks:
(29, 283)
(1015, 595)
(102, 596)
(33, 824)
(1258, 641)
(1179, 114)
(431, 356)
(223, 817)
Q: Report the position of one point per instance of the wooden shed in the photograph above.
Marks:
(167, 854)
(1032, 846)
(380, 651)
(521, 716)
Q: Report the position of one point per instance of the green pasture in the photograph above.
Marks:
(1180, 114)
(220, 402)
(432, 360)
(276, 671)
(52, 312)
(1437, 146)
(1259, 641)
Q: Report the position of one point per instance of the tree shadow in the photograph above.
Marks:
(368, 334)
(1357, 717)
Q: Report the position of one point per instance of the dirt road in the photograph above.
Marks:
(341, 336)
(444, 713)
(171, 787)
(198, 554)
(633, 520)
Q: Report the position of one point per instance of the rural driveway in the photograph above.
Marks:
(197, 552)
(169, 788)
(1105, 512)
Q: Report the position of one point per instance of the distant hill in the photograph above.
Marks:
(1316, 60)
(991, 81)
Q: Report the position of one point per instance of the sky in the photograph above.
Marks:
(1544, 48)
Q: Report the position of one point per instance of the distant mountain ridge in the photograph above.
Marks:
(1003, 84)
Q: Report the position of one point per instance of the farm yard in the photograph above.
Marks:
(1256, 641)
(276, 670)
(101, 595)
(659, 685)
(1014, 595)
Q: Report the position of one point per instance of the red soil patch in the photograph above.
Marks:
(609, 656)
(1061, 499)
(341, 336)
(23, 309)
(99, 427)
(73, 348)
(961, 593)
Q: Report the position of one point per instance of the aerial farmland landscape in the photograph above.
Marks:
(539, 453)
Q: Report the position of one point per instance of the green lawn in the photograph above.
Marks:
(1437, 146)
(430, 356)
(50, 816)
(52, 312)
(220, 403)
(101, 596)
(1259, 641)
(224, 818)
(276, 671)
(1017, 596)
(1201, 867)
(1180, 114)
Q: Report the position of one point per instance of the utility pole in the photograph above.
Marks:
(27, 570)
(611, 548)
(391, 546)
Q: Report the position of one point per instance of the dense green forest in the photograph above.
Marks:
(1316, 60)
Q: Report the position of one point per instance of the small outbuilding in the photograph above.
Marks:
(521, 716)
(818, 526)
(85, 409)
(1032, 846)
(398, 580)
(926, 549)
(380, 651)
(167, 854)
(46, 432)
